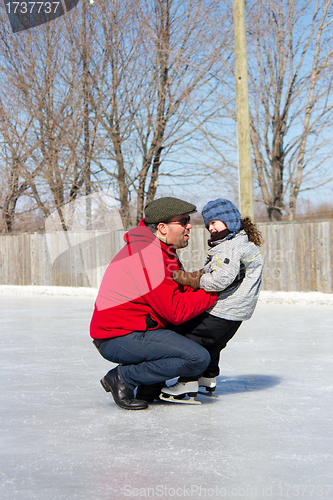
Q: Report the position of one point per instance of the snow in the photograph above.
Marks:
(316, 298)
(269, 435)
(265, 297)
(59, 291)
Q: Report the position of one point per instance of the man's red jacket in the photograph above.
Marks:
(138, 284)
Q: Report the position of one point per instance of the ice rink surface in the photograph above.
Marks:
(268, 436)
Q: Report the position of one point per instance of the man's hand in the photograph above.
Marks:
(188, 279)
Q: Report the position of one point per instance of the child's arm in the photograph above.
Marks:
(224, 272)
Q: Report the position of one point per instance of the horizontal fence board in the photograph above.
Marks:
(298, 256)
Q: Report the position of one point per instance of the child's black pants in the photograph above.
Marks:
(213, 334)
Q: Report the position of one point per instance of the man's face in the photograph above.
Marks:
(176, 230)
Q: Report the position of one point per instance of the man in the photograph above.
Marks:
(138, 299)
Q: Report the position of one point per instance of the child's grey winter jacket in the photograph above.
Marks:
(222, 267)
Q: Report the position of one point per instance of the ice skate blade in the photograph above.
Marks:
(209, 394)
(171, 399)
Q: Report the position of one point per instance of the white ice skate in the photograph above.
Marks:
(177, 392)
(210, 386)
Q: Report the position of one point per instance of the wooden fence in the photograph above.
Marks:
(298, 256)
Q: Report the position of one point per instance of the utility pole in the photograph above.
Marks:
(243, 114)
(85, 92)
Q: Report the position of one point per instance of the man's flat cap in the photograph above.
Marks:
(163, 209)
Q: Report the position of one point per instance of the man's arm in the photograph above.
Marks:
(177, 305)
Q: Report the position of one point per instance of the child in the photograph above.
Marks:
(233, 267)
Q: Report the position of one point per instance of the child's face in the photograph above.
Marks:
(215, 226)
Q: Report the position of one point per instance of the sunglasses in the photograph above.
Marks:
(183, 222)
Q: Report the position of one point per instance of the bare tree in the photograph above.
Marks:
(109, 92)
(111, 76)
(290, 56)
(290, 66)
(49, 80)
(12, 156)
(152, 86)
(183, 56)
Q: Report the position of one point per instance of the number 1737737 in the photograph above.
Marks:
(32, 7)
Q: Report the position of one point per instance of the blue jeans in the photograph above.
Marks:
(154, 356)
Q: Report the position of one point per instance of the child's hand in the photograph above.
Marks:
(188, 279)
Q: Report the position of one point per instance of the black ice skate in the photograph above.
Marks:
(177, 393)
